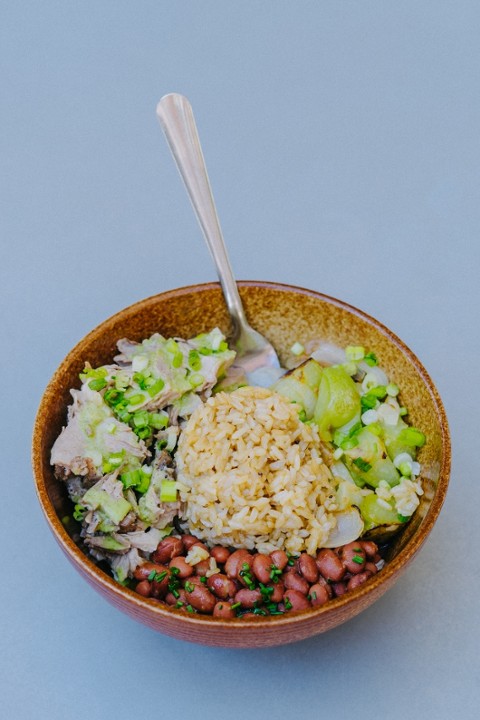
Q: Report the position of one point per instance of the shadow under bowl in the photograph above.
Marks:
(284, 314)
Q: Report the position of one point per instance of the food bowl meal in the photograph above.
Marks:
(227, 514)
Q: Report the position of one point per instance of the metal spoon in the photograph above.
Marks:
(255, 355)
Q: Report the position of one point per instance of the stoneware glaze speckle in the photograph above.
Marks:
(283, 314)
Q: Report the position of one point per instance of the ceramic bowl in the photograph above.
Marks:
(283, 314)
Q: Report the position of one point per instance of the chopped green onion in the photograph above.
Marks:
(358, 559)
(136, 399)
(266, 591)
(144, 483)
(157, 387)
(112, 397)
(412, 436)
(371, 359)
(90, 373)
(196, 380)
(235, 606)
(275, 573)
(131, 478)
(79, 512)
(379, 391)
(403, 411)
(189, 587)
(403, 518)
(392, 389)
(194, 360)
(141, 418)
(168, 492)
(375, 428)
(288, 604)
(355, 352)
(362, 464)
(143, 433)
(349, 443)
(368, 402)
(190, 609)
(159, 421)
(97, 384)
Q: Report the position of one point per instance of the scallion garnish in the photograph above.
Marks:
(371, 359)
(362, 464)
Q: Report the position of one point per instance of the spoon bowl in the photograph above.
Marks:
(255, 355)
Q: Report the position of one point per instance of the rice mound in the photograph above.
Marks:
(250, 474)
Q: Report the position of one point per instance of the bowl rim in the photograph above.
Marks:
(100, 579)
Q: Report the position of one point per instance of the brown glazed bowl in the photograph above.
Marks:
(283, 314)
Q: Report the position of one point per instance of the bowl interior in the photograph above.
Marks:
(284, 314)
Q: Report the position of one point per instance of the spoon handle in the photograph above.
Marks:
(176, 118)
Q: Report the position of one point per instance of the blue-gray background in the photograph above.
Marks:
(342, 140)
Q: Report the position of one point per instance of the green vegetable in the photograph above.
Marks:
(371, 359)
(98, 384)
(338, 401)
(301, 385)
(375, 514)
(368, 461)
(114, 508)
(168, 492)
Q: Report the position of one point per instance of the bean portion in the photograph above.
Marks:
(234, 583)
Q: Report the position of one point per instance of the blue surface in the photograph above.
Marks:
(343, 148)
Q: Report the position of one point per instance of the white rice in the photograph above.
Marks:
(251, 475)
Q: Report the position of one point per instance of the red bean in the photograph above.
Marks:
(371, 549)
(308, 568)
(184, 569)
(294, 581)
(202, 567)
(220, 554)
(235, 563)
(160, 589)
(142, 572)
(200, 598)
(222, 586)
(167, 549)
(294, 600)
(262, 567)
(371, 567)
(195, 580)
(278, 591)
(172, 599)
(199, 544)
(339, 588)
(248, 598)
(358, 580)
(353, 557)
(330, 565)
(188, 541)
(223, 610)
(319, 594)
(321, 581)
(279, 559)
(144, 588)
